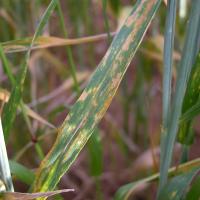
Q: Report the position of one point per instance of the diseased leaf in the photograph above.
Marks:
(167, 85)
(97, 96)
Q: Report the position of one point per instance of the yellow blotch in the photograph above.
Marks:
(137, 20)
(116, 80)
(94, 90)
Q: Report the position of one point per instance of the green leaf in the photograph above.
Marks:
(68, 49)
(115, 5)
(6, 65)
(185, 67)
(194, 192)
(95, 99)
(22, 173)
(106, 21)
(95, 154)
(167, 75)
(127, 190)
(191, 113)
(168, 59)
(16, 94)
(191, 99)
(176, 187)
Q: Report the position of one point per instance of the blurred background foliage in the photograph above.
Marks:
(125, 146)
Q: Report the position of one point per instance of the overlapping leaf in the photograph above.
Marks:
(187, 60)
(191, 99)
(41, 42)
(126, 191)
(176, 187)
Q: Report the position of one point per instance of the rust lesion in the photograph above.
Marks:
(133, 17)
(133, 23)
(117, 62)
(103, 109)
(137, 20)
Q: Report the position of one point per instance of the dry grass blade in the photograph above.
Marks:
(46, 42)
(4, 14)
(30, 196)
(63, 87)
(36, 116)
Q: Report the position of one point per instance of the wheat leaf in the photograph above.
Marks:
(95, 99)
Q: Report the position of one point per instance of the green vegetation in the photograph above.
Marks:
(140, 58)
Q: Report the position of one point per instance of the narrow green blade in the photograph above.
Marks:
(187, 61)
(95, 154)
(16, 94)
(191, 99)
(194, 192)
(22, 173)
(168, 61)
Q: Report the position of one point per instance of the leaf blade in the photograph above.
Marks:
(124, 192)
(96, 98)
(186, 63)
